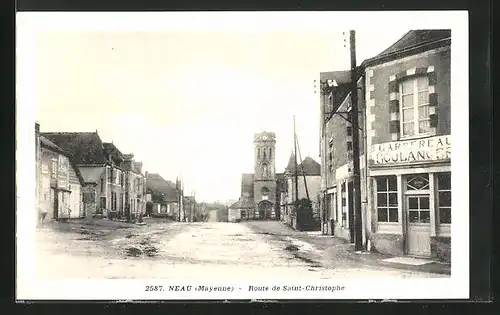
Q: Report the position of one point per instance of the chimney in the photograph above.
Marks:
(37, 127)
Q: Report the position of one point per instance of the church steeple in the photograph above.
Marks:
(291, 163)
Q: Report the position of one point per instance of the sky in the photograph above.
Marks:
(187, 101)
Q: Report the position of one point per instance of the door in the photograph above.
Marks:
(56, 203)
(419, 225)
(350, 210)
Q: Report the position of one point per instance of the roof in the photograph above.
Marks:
(291, 163)
(110, 148)
(49, 144)
(413, 42)
(85, 147)
(243, 203)
(157, 184)
(310, 167)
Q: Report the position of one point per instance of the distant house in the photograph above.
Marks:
(162, 196)
(241, 209)
(308, 185)
(59, 181)
(107, 189)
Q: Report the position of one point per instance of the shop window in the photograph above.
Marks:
(444, 197)
(417, 182)
(414, 102)
(387, 199)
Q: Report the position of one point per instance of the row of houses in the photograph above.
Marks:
(405, 148)
(80, 176)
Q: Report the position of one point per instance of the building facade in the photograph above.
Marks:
(110, 190)
(408, 126)
(59, 182)
(162, 197)
(261, 186)
(308, 186)
(336, 147)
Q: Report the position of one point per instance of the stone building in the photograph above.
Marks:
(59, 181)
(308, 185)
(259, 193)
(100, 164)
(409, 141)
(162, 196)
(337, 211)
(405, 127)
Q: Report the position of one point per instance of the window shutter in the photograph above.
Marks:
(433, 120)
(393, 106)
(394, 126)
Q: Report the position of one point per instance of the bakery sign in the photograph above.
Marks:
(412, 151)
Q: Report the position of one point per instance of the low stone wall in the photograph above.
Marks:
(387, 243)
(441, 248)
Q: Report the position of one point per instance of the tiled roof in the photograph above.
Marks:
(243, 203)
(310, 167)
(412, 41)
(111, 149)
(157, 184)
(85, 147)
(51, 145)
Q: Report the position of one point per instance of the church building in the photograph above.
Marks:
(260, 191)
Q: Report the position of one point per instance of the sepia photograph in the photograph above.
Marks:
(242, 155)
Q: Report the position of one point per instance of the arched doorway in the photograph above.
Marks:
(265, 209)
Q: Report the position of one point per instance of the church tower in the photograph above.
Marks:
(265, 174)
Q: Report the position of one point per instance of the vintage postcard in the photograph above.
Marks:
(242, 155)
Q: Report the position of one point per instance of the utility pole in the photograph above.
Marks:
(358, 225)
(295, 160)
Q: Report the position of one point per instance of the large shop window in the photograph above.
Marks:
(414, 100)
(387, 199)
(444, 197)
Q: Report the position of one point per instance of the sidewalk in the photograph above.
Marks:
(335, 252)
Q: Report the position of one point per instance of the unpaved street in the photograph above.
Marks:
(210, 250)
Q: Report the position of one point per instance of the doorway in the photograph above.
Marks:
(418, 225)
(265, 208)
(350, 210)
(55, 195)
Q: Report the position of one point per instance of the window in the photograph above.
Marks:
(258, 153)
(349, 131)
(418, 209)
(387, 199)
(414, 102)
(417, 182)
(264, 152)
(334, 206)
(270, 152)
(349, 145)
(343, 197)
(121, 179)
(54, 168)
(444, 197)
(102, 185)
(265, 191)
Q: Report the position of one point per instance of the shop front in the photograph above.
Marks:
(411, 197)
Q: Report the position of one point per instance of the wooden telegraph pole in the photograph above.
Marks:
(358, 225)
